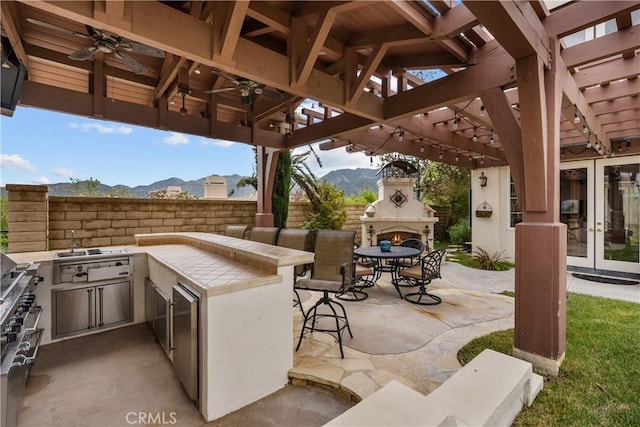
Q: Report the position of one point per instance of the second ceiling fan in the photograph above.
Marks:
(246, 87)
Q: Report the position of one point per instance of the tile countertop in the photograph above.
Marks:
(213, 263)
(220, 264)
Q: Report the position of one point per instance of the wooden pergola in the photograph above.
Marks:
(508, 84)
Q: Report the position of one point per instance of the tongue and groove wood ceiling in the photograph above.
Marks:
(356, 75)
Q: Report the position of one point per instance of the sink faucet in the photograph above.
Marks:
(73, 240)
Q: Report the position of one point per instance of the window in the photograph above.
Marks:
(515, 214)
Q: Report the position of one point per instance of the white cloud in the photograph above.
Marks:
(42, 180)
(217, 142)
(64, 172)
(16, 161)
(100, 128)
(175, 138)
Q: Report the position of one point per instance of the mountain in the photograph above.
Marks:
(351, 181)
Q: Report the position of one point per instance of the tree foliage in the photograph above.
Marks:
(89, 187)
(329, 208)
(365, 197)
(164, 194)
(281, 189)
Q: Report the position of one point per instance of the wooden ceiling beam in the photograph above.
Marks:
(229, 21)
(620, 89)
(331, 127)
(8, 13)
(580, 15)
(313, 46)
(456, 20)
(516, 26)
(374, 59)
(496, 68)
(169, 75)
(608, 72)
(602, 47)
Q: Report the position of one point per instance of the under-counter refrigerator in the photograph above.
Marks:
(185, 338)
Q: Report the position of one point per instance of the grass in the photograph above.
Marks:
(599, 380)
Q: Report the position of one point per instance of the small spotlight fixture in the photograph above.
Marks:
(491, 140)
(5, 63)
(576, 115)
(457, 157)
(585, 128)
(482, 111)
(197, 70)
(421, 145)
(455, 123)
(440, 156)
(475, 135)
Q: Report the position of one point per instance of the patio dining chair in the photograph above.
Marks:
(266, 235)
(421, 275)
(332, 272)
(236, 231)
(295, 238)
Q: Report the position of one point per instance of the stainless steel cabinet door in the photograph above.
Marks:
(185, 339)
(74, 310)
(114, 303)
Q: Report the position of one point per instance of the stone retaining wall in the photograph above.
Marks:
(38, 222)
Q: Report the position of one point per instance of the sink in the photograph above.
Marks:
(70, 254)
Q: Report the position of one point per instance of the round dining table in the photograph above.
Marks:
(378, 256)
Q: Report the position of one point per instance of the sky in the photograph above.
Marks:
(43, 147)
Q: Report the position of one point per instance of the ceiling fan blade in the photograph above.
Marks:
(273, 94)
(225, 75)
(133, 65)
(140, 48)
(56, 28)
(224, 89)
(84, 53)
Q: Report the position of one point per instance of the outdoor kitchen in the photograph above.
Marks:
(186, 286)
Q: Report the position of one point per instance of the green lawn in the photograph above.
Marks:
(599, 380)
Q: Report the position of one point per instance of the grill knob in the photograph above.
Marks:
(9, 336)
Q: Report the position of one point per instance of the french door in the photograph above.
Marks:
(600, 203)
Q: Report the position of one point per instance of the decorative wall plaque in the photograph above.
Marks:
(398, 198)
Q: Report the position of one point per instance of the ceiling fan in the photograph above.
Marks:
(106, 42)
(246, 87)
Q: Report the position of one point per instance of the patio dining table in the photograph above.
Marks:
(378, 256)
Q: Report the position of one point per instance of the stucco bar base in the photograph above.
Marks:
(541, 275)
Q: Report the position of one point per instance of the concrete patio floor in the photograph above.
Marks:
(98, 379)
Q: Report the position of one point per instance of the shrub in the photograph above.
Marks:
(460, 233)
(489, 262)
(329, 209)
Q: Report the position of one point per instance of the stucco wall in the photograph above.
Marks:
(492, 234)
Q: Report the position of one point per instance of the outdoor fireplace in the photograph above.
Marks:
(397, 215)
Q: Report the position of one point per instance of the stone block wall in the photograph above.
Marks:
(38, 222)
(27, 217)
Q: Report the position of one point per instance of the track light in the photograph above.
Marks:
(475, 135)
(576, 115)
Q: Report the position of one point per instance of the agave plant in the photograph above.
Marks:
(486, 261)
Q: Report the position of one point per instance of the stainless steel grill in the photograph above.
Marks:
(19, 332)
